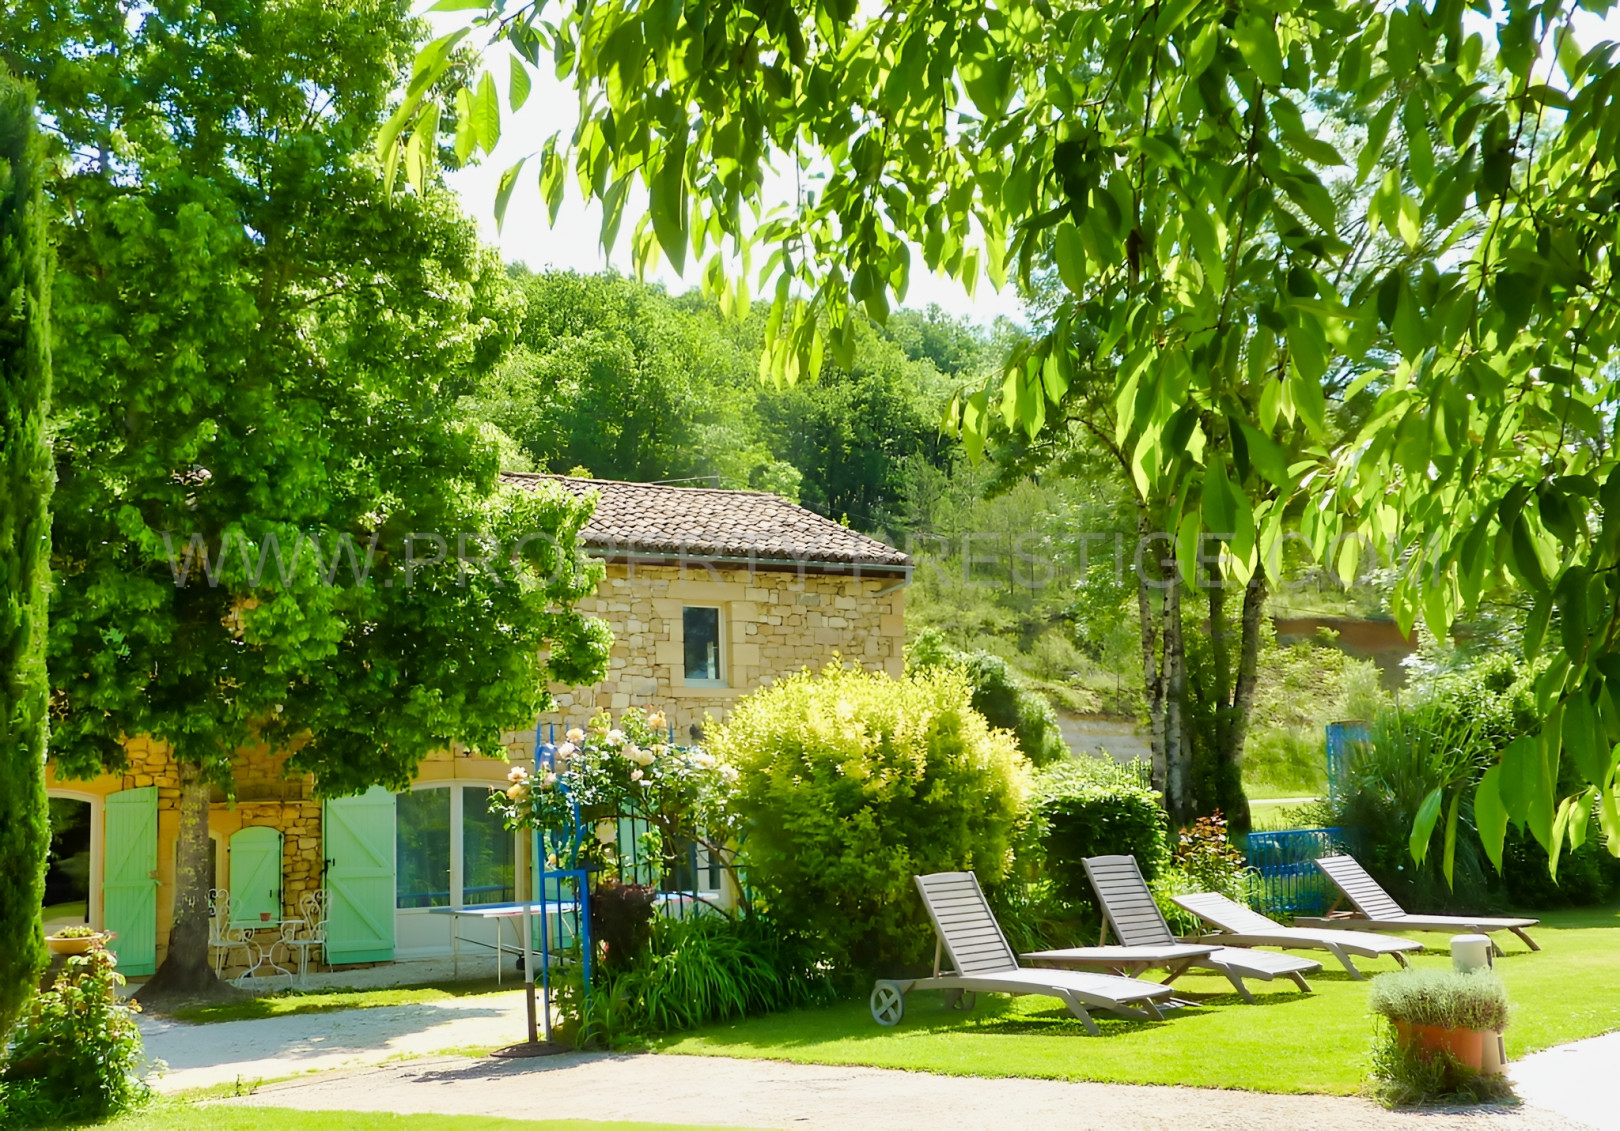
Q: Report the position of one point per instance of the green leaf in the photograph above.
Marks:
(1580, 822)
(519, 85)
(1535, 626)
(1609, 818)
(1526, 562)
(1071, 257)
(486, 114)
(1490, 815)
(1581, 740)
(666, 200)
(1256, 41)
(1373, 148)
(553, 177)
(1266, 455)
(503, 193)
(1521, 773)
(1448, 863)
(1428, 815)
(1419, 150)
(1572, 612)
(1056, 373)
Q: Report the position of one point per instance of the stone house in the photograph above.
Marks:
(710, 594)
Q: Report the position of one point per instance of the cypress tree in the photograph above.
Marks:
(26, 479)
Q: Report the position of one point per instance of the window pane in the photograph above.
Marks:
(422, 848)
(702, 643)
(486, 851)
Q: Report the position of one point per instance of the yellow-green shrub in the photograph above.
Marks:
(850, 783)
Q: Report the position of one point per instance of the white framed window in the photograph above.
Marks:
(703, 644)
(449, 849)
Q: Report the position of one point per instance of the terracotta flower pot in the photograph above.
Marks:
(1466, 1046)
(75, 944)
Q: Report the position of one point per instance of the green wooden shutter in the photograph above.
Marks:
(255, 874)
(129, 888)
(359, 835)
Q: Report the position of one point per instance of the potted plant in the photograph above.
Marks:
(74, 940)
(1436, 1011)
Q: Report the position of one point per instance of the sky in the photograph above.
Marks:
(527, 236)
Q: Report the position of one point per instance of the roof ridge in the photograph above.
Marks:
(639, 483)
(662, 518)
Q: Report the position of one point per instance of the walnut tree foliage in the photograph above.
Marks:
(259, 459)
(1168, 158)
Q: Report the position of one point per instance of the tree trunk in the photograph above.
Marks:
(186, 974)
(1177, 742)
(1248, 675)
(1152, 670)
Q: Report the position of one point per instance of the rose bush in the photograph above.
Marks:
(626, 769)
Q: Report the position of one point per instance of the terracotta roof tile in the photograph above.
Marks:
(655, 519)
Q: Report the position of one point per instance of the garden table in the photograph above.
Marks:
(514, 912)
(265, 953)
(498, 913)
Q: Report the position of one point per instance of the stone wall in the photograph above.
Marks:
(294, 813)
(773, 623)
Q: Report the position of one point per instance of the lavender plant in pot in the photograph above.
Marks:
(1443, 1011)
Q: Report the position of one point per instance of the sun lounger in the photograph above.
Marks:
(1376, 911)
(1145, 941)
(1237, 925)
(967, 935)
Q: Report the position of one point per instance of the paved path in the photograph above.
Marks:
(379, 1054)
(719, 1091)
(1576, 1080)
(200, 1055)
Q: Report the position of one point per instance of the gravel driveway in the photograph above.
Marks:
(718, 1091)
(200, 1055)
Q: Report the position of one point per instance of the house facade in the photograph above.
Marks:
(710, 594)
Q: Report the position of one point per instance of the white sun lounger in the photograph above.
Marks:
(1238, 925)
(1146, 942)
(967, 935)
(1375, 910)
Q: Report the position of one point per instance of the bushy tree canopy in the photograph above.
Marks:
(273, 526)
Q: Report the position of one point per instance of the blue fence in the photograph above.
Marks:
(1287, 881)
(1342, 740)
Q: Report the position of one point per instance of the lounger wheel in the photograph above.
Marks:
(888, 1003)
(963, 1000)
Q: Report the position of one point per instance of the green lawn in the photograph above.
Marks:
(292, 1001)
(175, 1116)
(1290, 1042)
(1276, 815)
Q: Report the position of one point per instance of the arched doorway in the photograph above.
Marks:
(72, 875)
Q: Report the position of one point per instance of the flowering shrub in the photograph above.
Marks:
(852, 783)
(628, 769)
(1209, 857)
(1204, 860)
(75, 1055)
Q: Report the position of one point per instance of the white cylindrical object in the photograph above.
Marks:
(1471, 952)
